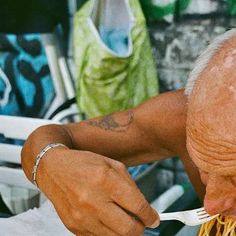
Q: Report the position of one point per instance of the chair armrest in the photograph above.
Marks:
(20, 127)
(15, 177)
(10, 153)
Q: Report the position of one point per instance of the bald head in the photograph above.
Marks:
(211, 122)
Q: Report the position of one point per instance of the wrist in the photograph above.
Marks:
(49, 154)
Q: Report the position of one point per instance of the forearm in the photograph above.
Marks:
(117, 136)
(123, 146)
(150, 132)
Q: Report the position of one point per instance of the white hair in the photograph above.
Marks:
(203, 60)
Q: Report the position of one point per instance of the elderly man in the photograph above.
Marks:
(211, 123)
(81, 167)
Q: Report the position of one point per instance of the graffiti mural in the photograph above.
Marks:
(26, 87)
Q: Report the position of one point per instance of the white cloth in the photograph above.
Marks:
(42, 221)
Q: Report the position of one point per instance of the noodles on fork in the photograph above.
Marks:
(225, 226)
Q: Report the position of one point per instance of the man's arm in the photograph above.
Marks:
(89, 189)
(152, 131)
(149, 132)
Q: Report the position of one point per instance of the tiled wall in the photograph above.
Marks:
(177, 46)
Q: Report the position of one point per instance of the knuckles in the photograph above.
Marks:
(83, 199)
(141, 208)
(121, 167)
(102, 175)
(130, 230)
(76, 219)
(133, 229)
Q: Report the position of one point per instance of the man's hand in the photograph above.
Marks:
(94, 195)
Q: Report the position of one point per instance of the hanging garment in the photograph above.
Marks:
(115, 67)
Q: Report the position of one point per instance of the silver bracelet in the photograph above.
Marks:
(39, 158)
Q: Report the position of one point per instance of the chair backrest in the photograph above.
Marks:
(16, 128)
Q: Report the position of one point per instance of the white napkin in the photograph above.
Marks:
(42, 221)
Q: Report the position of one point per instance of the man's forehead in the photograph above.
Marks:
(213, 98)
(211, 161)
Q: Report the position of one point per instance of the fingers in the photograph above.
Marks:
(84, 222)
(139, 207)
(127, 195)
(96, 228)
(84, 234)
(120, 221)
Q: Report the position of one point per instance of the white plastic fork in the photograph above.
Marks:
(191, 217)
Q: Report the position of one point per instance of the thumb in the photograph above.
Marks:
(156, 222)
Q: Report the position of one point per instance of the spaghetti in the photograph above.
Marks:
(224, 226)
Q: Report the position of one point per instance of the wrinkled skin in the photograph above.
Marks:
(211, 129)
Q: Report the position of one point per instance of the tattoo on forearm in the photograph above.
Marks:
(110, 122)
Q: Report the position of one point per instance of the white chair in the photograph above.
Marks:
(18, 193)
(61, 66)
(16, 128)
